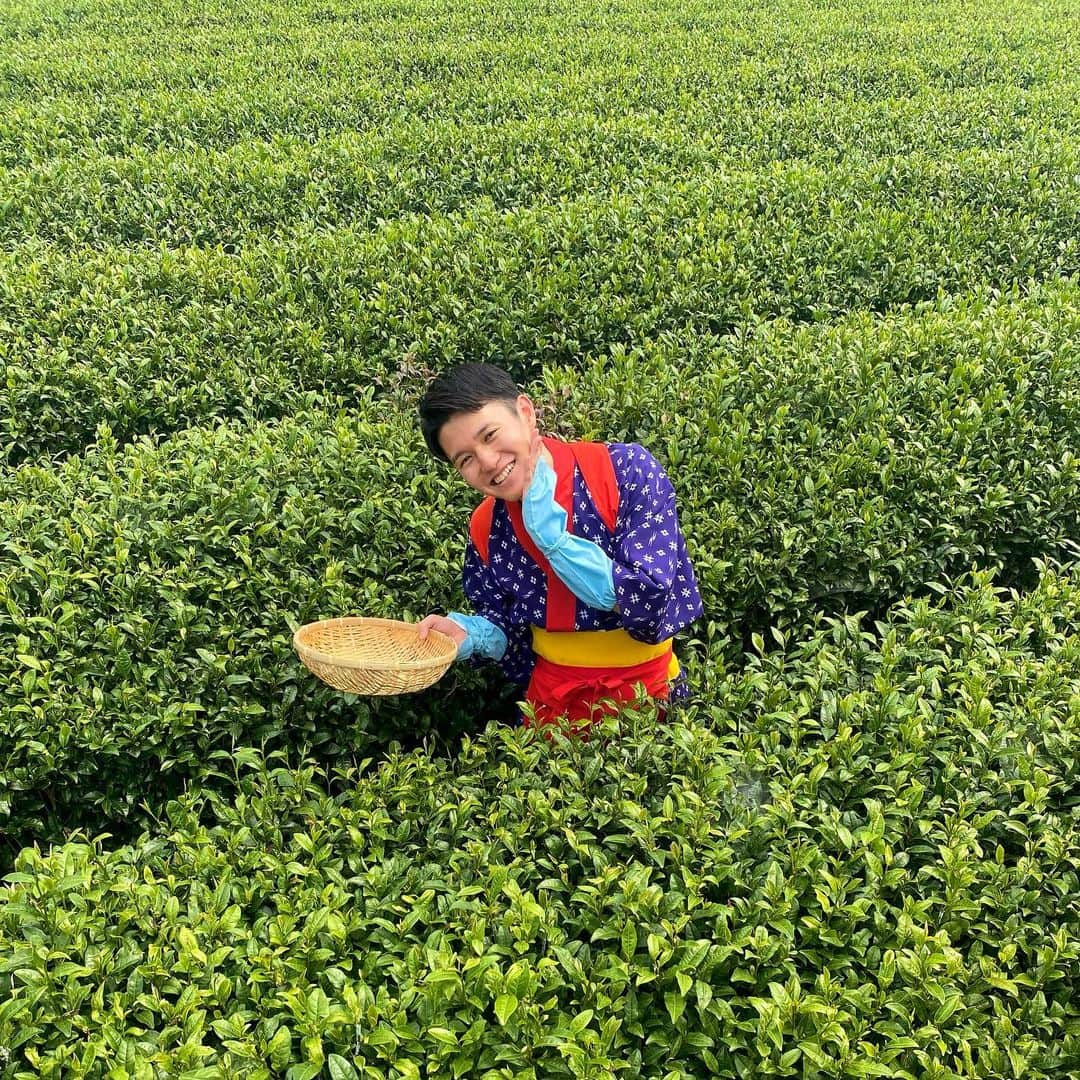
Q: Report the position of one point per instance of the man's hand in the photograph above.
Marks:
(537, 450)
(443, 625)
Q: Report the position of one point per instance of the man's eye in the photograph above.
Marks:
(488, 437)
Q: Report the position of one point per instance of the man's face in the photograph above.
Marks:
(490, 447)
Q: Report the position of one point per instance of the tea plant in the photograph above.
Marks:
(858, 859)
(822, 260)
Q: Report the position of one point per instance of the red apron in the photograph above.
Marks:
(583, 696)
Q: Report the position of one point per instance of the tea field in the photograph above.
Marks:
(822, 259)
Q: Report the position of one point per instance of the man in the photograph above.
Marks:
(575, 565)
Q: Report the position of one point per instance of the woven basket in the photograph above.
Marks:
(373, 656)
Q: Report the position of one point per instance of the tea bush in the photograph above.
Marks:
(859, 859)
(151, 594)
(823, 261)
(247, 191)
(838, 466)
(335, 190)
(153, 588)
(129, 337)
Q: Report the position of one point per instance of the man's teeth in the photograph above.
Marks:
(503, 475)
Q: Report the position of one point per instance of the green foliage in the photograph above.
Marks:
(333, 190)
(839, 466)
(823, 261)
(319, 310)
(153, 588)
(151, 593)
(859, 859)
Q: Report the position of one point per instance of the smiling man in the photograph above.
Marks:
(575, 564)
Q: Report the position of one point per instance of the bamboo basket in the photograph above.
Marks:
(373, 656)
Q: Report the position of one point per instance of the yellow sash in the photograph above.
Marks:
(598, 648)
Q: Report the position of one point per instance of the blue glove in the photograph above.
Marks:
(484, 637)
(587, 572)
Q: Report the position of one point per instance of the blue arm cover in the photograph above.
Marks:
(485, 638)
(579, 563)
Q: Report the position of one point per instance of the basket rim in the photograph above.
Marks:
(330, 660)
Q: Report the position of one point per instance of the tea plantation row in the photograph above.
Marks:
(176, 76)
(133, 337)
(150, 589)
(233, 197)
(860, 859)
(823, 261)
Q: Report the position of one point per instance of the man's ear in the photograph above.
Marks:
(526, 410)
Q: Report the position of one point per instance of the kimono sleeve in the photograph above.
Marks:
(489, 599)
(655, 591)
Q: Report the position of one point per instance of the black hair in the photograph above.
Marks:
(463, 389)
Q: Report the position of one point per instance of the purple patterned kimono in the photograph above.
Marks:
(654, 582)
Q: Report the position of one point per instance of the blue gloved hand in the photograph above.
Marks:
(544, 518)
(587, 572)
(484, 637)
